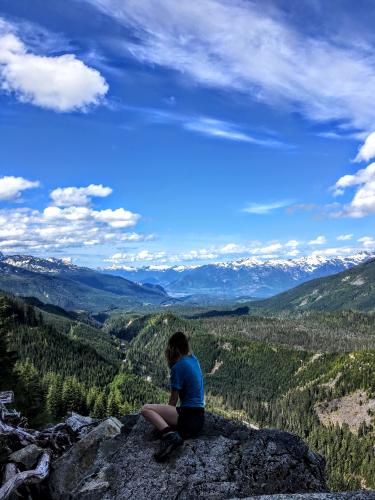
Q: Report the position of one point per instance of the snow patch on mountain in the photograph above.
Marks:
(39, 265)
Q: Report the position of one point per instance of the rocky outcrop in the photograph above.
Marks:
(227, 461)
(83, 459)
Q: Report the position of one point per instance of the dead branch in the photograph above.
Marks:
(27, 478)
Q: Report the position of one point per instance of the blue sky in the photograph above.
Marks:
(143, 132)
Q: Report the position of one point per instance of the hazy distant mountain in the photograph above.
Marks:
(72, 287)
(244, 277)
(350, 289)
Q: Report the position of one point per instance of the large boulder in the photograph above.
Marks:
(84, 459)
(228, 460)
(27, 457)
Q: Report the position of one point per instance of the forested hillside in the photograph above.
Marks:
(275, 383)
(73, 287)
(352, 289)
(296, 374)
(55, 365)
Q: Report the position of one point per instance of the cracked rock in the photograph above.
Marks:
(229, 460)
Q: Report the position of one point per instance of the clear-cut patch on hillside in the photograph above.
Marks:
(354, 410)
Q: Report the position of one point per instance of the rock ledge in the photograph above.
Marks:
(227, 461)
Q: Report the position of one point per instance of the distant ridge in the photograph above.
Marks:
(247, 277)
(71, 287)
(350, 289)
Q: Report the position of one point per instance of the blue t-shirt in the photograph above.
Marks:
(187, 379)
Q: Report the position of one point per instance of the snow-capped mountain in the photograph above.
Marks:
(243, 277)
(38, 264)
(59, 282)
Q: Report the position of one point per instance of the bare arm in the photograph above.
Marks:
(173, 398)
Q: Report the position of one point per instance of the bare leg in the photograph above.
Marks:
(161, 416)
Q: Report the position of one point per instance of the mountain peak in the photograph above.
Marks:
(245, 277)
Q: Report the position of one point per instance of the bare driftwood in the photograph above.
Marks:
(27, 478)
(10, 471)
(24, 436)
(6, 397)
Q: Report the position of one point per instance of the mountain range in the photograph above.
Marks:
(350, 289)
(247, 277)
(72, 287)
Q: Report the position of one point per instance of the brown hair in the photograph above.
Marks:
(178, 345)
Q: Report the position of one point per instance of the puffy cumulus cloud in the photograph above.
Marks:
(61, 83)
(57, 227)
(78, 196)
(344, 237)
(118, 218)
(367, 241)
(141, 256)
(264, 57)
(12, 187)
(232, 248)
(367, 151)
(319, 240)
(213, 253)
(268, 249)
(363, 202)
(24, 229)
(334, 252)
(293, 253)
(292, 243)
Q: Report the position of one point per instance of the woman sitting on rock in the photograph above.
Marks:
(175, 424)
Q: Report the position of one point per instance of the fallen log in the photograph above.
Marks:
(10, 471)
(24, 436)
(27, 478)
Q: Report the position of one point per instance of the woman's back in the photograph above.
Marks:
(187, 379)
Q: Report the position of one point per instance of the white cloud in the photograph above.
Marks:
(335, 252)
(265, 208)
(119, 218)
(363, 202)
(268, 249)
(207, 126)
(292, 243)
(220, 129)
(11, 187)
(73, 196)
(367, 241)
(61, 83)
(236, 45)
(56, 227)
(344, 237)
(293, 253)
(141, 256)
(194, 255)
(232, 248)
(367, 150)
(319, 240)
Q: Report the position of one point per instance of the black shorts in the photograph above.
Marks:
(190, 421)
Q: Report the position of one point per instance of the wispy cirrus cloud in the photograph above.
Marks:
(237, 46)
(266, 208)
(208, 126)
